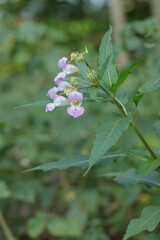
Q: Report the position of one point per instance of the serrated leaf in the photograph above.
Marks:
(93, 93)
(130, 177)
(150, 87)
(123, 76)
(34, 104)
(106, 66)
(156, 127)
(4, 190)
(149, 219)
(81, 161)
(108, 134)
(37, 224)
(84, 70)
(148, 167)
(137, 98)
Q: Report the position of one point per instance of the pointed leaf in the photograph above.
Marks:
(37, 103)
(137, 98)
(150, 87)
(149, 219)
(84, 70)
(125, 74)
(107, 135)
(106, 66)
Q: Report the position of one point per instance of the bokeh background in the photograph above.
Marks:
(34, 35)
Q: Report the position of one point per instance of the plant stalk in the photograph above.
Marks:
(133, 124)
(5, 228)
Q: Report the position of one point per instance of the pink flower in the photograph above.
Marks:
(67, 68)
(59, 101)
(52, 93)
(58, 78)
(62, 62)
(63, 85)
(75, 98)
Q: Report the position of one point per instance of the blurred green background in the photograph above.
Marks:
(34, 35)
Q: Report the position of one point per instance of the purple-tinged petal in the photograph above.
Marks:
(75, 112)
(52, 93)
(69, 69)
(50, 107)
(75, 96)
(62, 63)
(58, 78)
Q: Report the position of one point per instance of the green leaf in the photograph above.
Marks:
(149, 219)
(64, 227)
(156, 127)
(4, 190)
(148, 167)
(37, 224)
(130, 177)
(81, 161)
(106, 66)
(84, 70)
(93, 93)
(150, 87)
(125, 74)
(107, 135)
(34, 104)
(137, 98)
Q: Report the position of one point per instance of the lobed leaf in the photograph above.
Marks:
(149, 219)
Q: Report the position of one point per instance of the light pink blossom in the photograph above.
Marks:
(63, 85)
(52, 93)
(62, 62)
(59, 101)
(75, 98)
(59, 77)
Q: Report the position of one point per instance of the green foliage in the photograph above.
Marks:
(106, 65)
(130, 177)
(108, 134)
(37, 224)
(125, 74)
(149, 219)
(4, 190)
(157, 128)
(148, 167)
(150, 87)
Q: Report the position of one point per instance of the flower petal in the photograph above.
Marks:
(52, 93)
(75, 112)
(62, 63)
(75, 96)
(61, 101)
(50, 107)
(70, 69)
(63, 85)
(60, 75)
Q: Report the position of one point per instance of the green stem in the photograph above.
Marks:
(5, 228)
(123, 111)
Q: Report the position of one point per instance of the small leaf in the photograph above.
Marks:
(107, 135)
(125, 74)
(137, 98)
(157, 128)
(148, 167)
(84, 70)
(149, 219)
(37, 224)
(4, 190)
(150, 87)
(130, 177)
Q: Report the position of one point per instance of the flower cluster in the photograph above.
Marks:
(73, 98)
